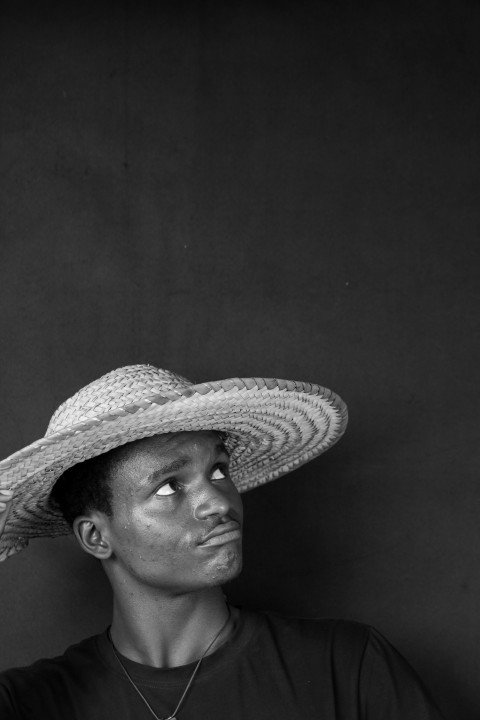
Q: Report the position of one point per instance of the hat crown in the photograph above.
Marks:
(115, 390)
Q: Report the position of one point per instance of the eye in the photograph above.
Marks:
(168, 488)
(219, 474)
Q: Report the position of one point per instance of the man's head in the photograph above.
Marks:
(161, 511)
(271, 427)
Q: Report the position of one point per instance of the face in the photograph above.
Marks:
(177, 516)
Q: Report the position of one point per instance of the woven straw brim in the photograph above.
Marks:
(272, 426)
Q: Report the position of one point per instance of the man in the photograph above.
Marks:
(146, 468)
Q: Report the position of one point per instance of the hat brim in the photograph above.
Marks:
(272, 427)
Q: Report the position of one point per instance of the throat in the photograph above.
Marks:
(172, 636)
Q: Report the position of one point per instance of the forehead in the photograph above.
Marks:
(162, 449)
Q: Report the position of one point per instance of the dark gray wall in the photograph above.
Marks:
(286, 190)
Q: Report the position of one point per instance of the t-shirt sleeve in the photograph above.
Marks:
(389, 687)
(7, 705)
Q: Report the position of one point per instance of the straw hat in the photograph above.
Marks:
(272, 426)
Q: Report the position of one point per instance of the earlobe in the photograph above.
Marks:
(92, 537)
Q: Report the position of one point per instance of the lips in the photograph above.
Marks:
(223, 533)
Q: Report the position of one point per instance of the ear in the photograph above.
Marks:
(91, 532)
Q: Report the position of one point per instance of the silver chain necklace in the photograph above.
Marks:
(189, 684)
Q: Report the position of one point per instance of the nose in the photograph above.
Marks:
(212, 502)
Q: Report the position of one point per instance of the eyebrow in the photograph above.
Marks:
(173, 466)
(181, 461)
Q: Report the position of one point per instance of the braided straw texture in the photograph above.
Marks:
(272, 427)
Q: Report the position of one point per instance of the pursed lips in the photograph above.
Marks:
(223, 533)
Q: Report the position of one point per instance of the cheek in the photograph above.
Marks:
(152, 539)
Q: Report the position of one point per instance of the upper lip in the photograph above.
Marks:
(220, 529)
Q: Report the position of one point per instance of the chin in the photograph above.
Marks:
(227, 566)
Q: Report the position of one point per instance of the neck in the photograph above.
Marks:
(168, 631)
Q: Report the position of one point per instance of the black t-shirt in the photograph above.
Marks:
(271, 668)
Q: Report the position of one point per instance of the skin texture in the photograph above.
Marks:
(169, 493)
(159, 517)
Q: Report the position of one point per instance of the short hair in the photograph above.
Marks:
(84, 487)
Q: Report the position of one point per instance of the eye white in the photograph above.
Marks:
(166, 489)
(218, 474)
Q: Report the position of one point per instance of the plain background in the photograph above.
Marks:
(284, 189)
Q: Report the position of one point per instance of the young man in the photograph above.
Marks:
(146, 468)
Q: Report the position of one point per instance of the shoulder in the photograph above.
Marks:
(328, 630)
(345, 646)
(53, 687)
(74, 656)
(337, 639)
(346, 642)
(355, 659)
